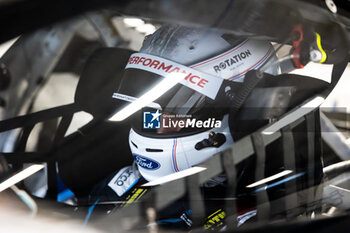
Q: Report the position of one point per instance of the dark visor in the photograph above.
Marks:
(178, 103)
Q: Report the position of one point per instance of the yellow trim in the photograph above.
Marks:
(324, 55)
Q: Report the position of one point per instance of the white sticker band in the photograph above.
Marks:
(236, 62)
(203, 83)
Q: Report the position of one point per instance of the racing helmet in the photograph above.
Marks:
(189, 122)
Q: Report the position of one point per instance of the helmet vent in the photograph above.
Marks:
(153, 150)
(134, 144)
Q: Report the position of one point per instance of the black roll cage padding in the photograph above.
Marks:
(37, 117)
(27, 157)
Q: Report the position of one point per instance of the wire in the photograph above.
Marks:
(24, 196)
(91, 209)
(266, 65)
(279, 61)
(262, 68)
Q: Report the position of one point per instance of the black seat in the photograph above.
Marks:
(101, 147)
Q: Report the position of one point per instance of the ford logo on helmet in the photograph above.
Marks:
(146, 162)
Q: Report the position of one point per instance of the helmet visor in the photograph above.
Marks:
(177, 104)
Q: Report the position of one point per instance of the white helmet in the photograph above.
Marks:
(168, 147)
